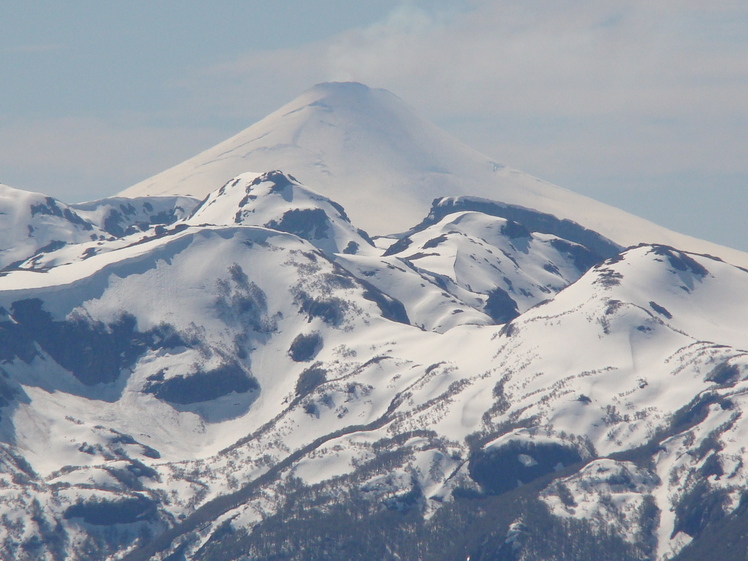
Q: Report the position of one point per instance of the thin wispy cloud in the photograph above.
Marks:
(598, 96)
(663, 82)
(549, 56)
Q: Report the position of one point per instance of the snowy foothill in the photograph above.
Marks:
(225, 343)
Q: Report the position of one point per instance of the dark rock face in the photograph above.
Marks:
(526, 220)
(118, 223)
(279, 180)
(514, 230)
(500, 470)
(15, 341)
(51, 208)
(54, 245)
(660, 310)
(341, 211)
(500, 307)
(94, 352)
(11, 392)
(305, 347)
(282, 184)
(351, 248)
(400, 245)
(332, 310)
(724, 373)
(242, 302)
(121, 217)
(679, 260)
(8, 391)
(310, 379)
(309, 223)
(114, 221)
(584, 259)
(434, 242)
(391, 308)
(121, 511)
(699, 508)
(202, 385)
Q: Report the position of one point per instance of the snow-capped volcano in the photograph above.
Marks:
(370, 151)
(249, 375)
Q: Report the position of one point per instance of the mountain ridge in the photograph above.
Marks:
(252, 376)
(298, 375)
(370, 151)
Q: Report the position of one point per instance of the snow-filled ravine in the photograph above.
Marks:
(247, 375)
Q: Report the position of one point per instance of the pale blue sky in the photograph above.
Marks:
(643, 105)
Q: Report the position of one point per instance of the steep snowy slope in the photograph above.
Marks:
(120, 216)
(95, 374)
(423, 295)
(603, 378)
(251, 377)
(275, 200)
(34, 224)
(497, 265)
(474, 268)
(203, 378)
(468, 258)
(601, 385)
(368, 150)
(108, 337)
(38, 232)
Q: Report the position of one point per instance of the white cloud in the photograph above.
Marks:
(585, 93)
(601, 87)
(560, 59)
(597, 95)
(547, 57)
(605, 85)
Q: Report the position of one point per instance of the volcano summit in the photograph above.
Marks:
(343, 334)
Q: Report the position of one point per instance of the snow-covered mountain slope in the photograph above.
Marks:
(497, 265)
(365, 148)
(97, 375)
(533, 220)
(602, 378)
(639, 308)
(510, 405)
(100, 339)
(250, 377)
(275, 200)
(33, 224)
(208, 377)
(58, 234)
(426, 302)
(121, 216)
(673, 426)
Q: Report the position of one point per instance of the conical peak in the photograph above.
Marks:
(347, 94)
(364, 148)
(343, 90)
(368, 150)
(335, 87)
(350, 106)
